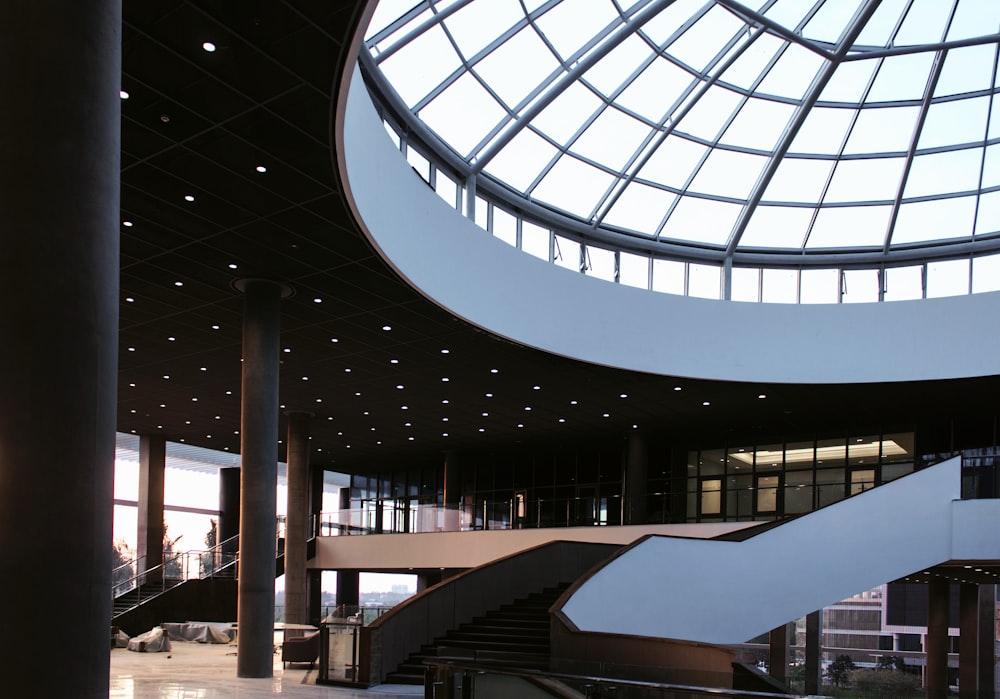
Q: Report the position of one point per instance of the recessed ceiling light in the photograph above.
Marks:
(233, 265)
(215, 327)
(444, 351)
(347, 371)
(131, 349)
(261, 168)
(399, 386)
(387, 328)
(482, 429)
(188, 197)
(330, 417)
(166, 376)
(319, 400)
(677, 388)
(527, 407)
(286, 350)
(357, 393)
(163, 405)
(165, 118)
(623, 395)
(520, 424)
(489, 395)
(229, 393)
(317, 300)
(204, 368)
(132, 411)
(444, 419)
(305, 378)
(127, 224)
(365, 413)
(562, 419)
(493, 371)
(605, 415)
(706, 403)
(132, 385)
(129, 299)
(194, 400)
(444, 434)
(178, 283)
(394, 361)
(407, 424)
(486, 414)
(123, 94)
(537, 388)
(172, 339)
(208, 46)
(445, 379)
(572, 402)
(762, 395)
(445, 401)
(404, 407)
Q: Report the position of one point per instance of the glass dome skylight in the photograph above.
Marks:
(786, 129)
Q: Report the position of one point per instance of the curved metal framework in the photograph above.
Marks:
(781, 134)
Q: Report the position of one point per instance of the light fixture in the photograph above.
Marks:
(762, 395)
(623, 395)
(129, 299)
(677, 388)
(215, 327)
(178, 283)
(208, 46)
(127, 224)
(387, 328)
(261, 168)
(123, 94)
(399, 386)
(317, 300)
(305, 378)
(188, 197)
(233, 265)
(445, 379)
(444, 351)
(705, 402)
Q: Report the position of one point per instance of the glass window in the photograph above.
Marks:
(770, 457)
(745, 284)
(711, 496)
(798, 492)
(567, 253)
(903, 283)
(819, 286)
(767, 493)
(860, 285)
(504, 226)
(704, 281)
(739, 497)
(600, 263)
(948, 278)
(633, 270)
(668, 277)
(535, 240)
(712, 462)
(779, 286)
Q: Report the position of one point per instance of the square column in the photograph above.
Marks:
(152, 469)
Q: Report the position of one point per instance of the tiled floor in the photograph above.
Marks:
(204, 671)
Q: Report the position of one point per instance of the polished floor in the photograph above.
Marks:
(204, 671)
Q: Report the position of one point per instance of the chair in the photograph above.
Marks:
(302, 649)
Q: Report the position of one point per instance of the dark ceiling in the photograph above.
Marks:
(200, 124)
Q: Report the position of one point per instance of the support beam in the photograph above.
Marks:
(777, 666)
(968, 641)
(636, 477)
(60, 146)
(814, 652)
(987, 641)
(348, 589)
(259, 473)
(452, 491)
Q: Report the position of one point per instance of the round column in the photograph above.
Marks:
(258, 475)
(59, 248)
(296, 524)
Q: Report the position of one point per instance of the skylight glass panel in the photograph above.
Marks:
(728, 174)
(612, 139)
(668, 276)
(940, 219)
(518, 66)
(823, 131)
(610, 73)
(777, 227)
(988, 216)
(504, 226)
(829, 23)
(789, 13)
(464, 113)
(566, 253)
(849, 227)
(779, 285)
(600, 263)
(633, 270)
(521, 160)
(966, 69)
(673, 162)
(758, 125)
(573, 186)
(953, 123)
(882, 130)
(793, 73)
(874, 179)
(572, 23)
(860, 286)
(879, 29)
(944, 173)
(819, 286)
(745, 284)
(640, 208)
(535, 240)
(849, 82)
(699, 44)
(745, 71)
(947, 278)
(421, 65)
(704, 281)
(668, 20)
(925, 22)
(710, 113)
(701, 220)
(902, 77)
(477, 24)
(974, 18)
(991, 167)
(655, 90)
(993, 130)
(986, 274)
(567, 113)
(903, 283)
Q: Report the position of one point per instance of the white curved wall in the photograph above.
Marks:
(492, 285)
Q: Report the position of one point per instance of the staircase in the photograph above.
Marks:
(515, 635)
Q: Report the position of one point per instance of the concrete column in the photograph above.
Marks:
(987, 641)
(297, 521)
(152, 467)
(814, 652)
(777, 665)
(636, 478)
(259, 474)
(348, 588)
(452, 491)
(937, 639)
(59, 251)
(968, 641)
